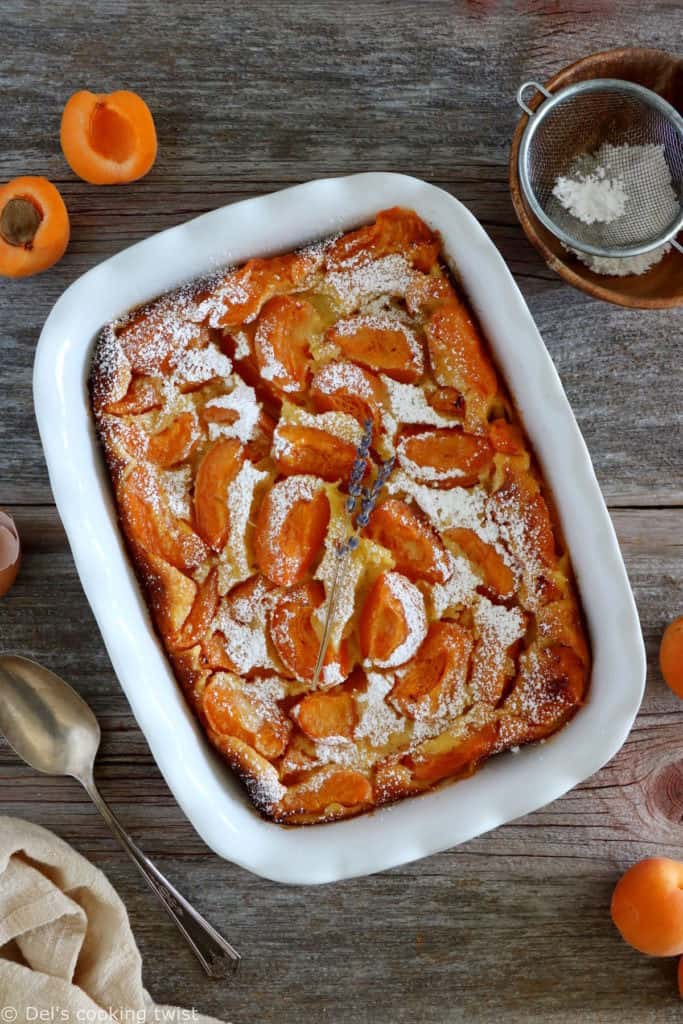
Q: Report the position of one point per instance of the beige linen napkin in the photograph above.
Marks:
(66, 947)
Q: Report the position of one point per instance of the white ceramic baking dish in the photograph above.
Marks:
(507, 786)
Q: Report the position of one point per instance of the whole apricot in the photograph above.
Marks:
(647, 906)
(671, 656)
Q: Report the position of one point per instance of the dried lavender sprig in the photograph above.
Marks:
(368, 501)
(358, 468)
(371, 494)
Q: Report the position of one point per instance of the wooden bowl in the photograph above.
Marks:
(662, 286)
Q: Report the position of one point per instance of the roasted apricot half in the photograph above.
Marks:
(551, 683)
(230, 710)
(151, 525)
(217, 470)
(345, 387)
(143, 395)
(393, 622)
(295, 638)
(174, 443)
(344, 787)
(461, 757)
(201, 614)
(438, 670)
(496, 574)
(459, 359)
(282, 342)
(290, 528)
(242, 293)
(445, 456)
(394, 230)
(416, 547)
(325, 716)
(309, 450)
(506, 437)
(382, 343)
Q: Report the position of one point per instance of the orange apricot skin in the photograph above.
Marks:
(671, 656)
(75, 137)
(647, 906)
(52, 235)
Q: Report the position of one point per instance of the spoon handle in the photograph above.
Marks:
(215, 954)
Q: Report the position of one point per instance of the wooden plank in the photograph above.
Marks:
(514, 920)
(611, 362)
(253, 97)
(304, 90)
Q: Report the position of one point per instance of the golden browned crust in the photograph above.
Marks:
(184, 393)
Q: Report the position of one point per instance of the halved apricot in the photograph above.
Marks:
(108, 138)
(345, 387)
(242, 293)
(438, 670)
(394, 230)
(497, 576)
(217, 470)
(201, 614)
(521, 508)
(506, 437)
(671, 656)
(445, 456)
(324, 716)
(290, 528)
(461, 757)
(382, 343)
(344, 787)
(393, 623)
(282, 342)
(309, 450)
(551, 683)
(295, 638)
(230, 710)
(459, 359)
(174, 443)
(559, 622)
(34, 226)
(149, 522)
(426, 292)
(143, 395)
(448, 401)
(149, 337)
(417, 549)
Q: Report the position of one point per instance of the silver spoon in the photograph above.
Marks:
(54, 731)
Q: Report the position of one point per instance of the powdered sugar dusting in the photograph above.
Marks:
(176, 484)
(240, 500)
(389, 275)
(377, 720)
(242, 400)
(458, 590)
(413, 608)
(409, 405)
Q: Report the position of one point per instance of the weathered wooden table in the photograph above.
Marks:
(248, 98)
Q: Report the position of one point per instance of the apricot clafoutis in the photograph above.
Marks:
(231, 413)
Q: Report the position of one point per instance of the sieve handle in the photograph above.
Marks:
(677, 245)
(523, 88)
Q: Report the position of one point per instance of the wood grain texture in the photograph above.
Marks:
(249, 98)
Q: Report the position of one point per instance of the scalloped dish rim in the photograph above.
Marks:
(505, 787)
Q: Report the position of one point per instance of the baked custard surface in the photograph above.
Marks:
(229, 412)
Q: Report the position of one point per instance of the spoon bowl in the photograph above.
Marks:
(53, 730)
(45, 721)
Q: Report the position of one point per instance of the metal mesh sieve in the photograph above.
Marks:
(574, 129)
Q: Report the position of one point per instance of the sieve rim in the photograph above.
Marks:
(536, 118)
